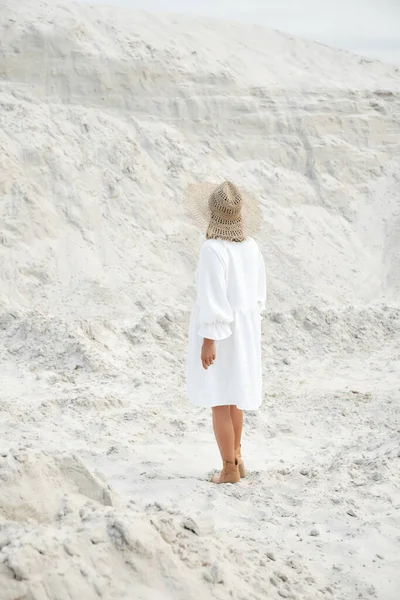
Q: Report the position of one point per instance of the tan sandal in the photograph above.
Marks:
(239, 459)
(229, 474)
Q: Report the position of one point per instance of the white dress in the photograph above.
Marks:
(231, 293)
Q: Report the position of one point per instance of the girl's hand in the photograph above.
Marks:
(208, 353)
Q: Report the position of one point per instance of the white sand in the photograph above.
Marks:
(105, 117)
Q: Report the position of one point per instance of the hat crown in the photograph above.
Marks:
(226, 201)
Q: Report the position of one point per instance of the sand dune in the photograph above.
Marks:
(106, 115)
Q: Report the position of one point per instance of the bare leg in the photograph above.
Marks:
(237, 420)
(224, 432)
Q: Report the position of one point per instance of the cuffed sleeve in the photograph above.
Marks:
(211, 284)
(262, 285)
(215, 331)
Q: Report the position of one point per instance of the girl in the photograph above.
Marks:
(224, 355)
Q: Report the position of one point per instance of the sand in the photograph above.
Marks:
(106, 115)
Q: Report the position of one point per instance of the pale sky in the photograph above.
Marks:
(367, 27)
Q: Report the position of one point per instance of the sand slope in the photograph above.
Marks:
(105, 117)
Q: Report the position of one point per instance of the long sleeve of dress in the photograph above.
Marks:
(262, 284)
(211, 284)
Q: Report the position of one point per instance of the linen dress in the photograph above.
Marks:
(231, 293)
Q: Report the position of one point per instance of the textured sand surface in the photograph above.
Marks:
(105, 117)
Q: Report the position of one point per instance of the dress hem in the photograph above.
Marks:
(214, 405)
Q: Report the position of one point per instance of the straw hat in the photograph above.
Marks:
(224, 211)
